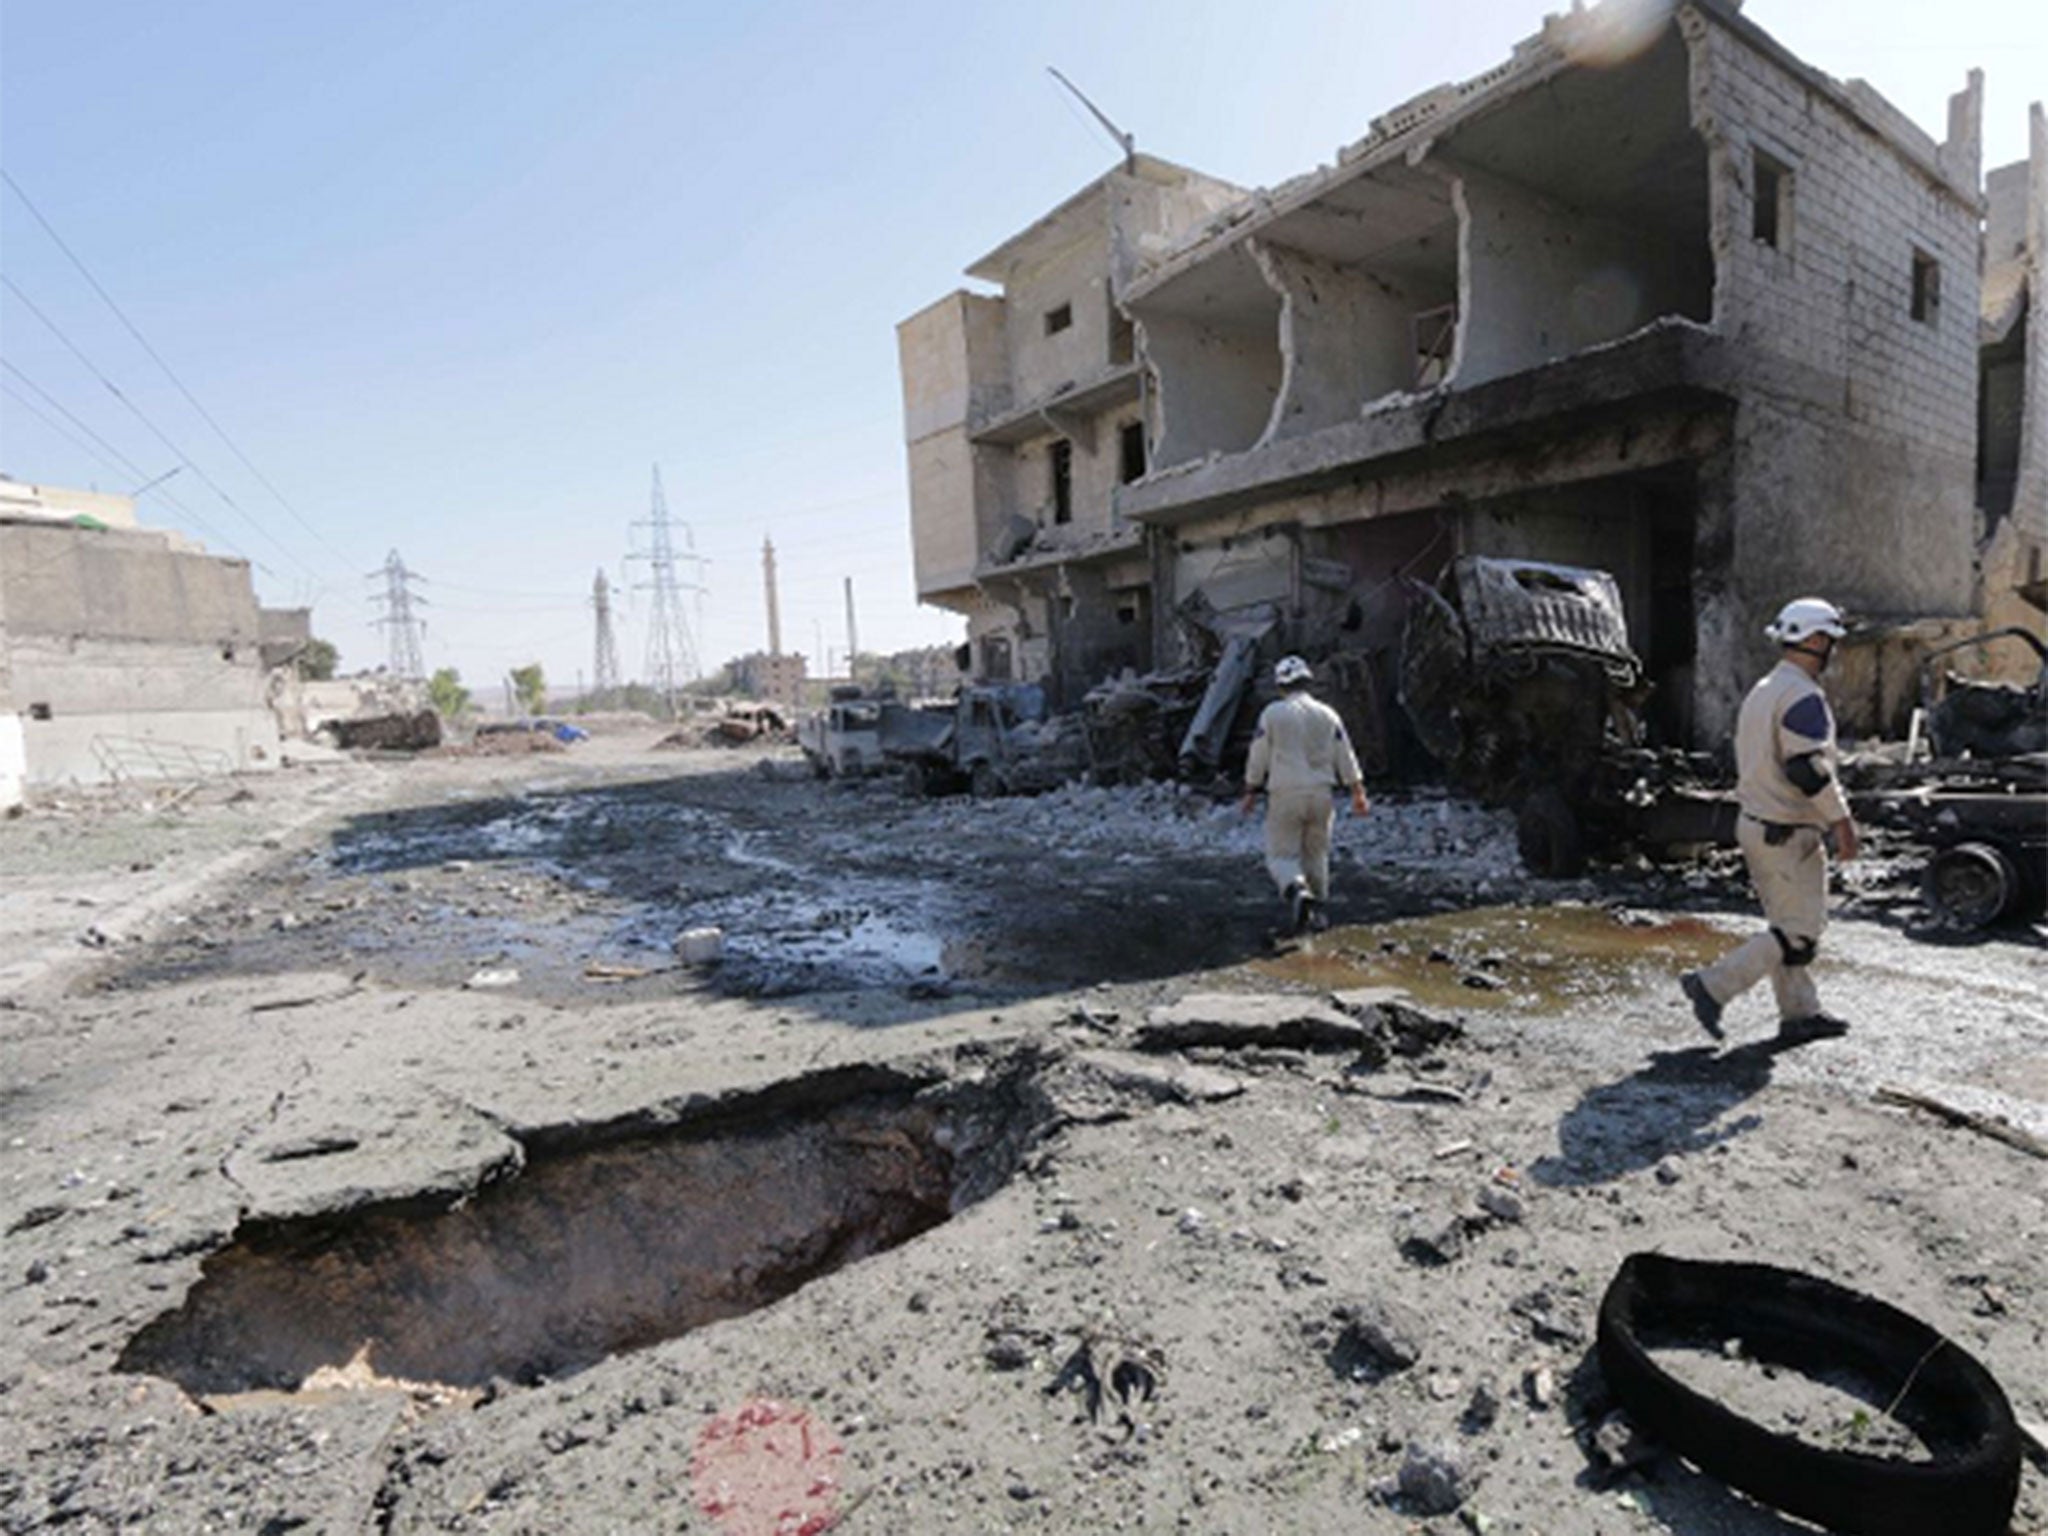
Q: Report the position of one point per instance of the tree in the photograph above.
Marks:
(446, 693)
(531, 687)
(316, 660)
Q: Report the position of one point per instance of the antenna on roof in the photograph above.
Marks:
(1127, 142)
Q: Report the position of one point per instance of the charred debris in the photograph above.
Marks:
(1513, 682)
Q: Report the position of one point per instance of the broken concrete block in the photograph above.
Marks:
(1501, 1204)
(1162, 1082)
(1408, 1029)
(492, 977)
(1237, 1020)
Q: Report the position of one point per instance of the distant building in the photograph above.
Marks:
(125, 652)
(777, 677)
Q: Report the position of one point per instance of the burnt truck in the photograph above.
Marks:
(1979, 804)
(995, 739)
(1518, 677)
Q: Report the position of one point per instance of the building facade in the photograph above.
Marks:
(1652, 295)
(1024, 413)
(125, 652)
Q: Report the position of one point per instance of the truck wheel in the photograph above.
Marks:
(985, 782)
(1971, 885)
(917, 781)
(1548, 834)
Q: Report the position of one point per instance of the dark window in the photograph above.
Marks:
(1062, 481)
(1131, 440)
(1123, 336)
(39, 711)
(1926, 287)
(1057, 320)
(995, 659)
(1772, 190)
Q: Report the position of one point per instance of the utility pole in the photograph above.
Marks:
(401, 626)
(606, 670)
(774, 604)
(671, 655)
(852, 638)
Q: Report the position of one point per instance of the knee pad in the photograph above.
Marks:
(1795, 951)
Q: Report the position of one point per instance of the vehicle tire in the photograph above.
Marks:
(1547, 832)
(917, 781)
(1966, 1486)
(985, 782)
(1971, 885)
(850, 765)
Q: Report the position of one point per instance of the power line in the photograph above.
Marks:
(157, 357)
(108, 455)
(161, 436)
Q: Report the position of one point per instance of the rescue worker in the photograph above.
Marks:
(1299, 753)
(1792, 807)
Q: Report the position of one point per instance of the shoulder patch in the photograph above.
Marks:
(1809, 717)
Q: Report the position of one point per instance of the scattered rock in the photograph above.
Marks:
(1502, 1204)
(491, 978)
(1618, 1445)
(1540, 1385)
(1668, 1171)
(1435, 1244)
(700, 946)
(1435, 1479)
(1481, 1411)
(1007, 1351)
(1379, 1337)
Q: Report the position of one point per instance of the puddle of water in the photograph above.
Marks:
(1532, 960)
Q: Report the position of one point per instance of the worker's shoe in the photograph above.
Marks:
(1815, 1026)
(1299, 905)
(1318, 915)
(1704, 1008)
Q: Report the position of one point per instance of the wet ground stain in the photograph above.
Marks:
(1522, 959)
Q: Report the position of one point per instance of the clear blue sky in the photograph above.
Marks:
(455, 275)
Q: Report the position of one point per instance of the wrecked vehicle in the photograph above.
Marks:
(994, 740)
(1518, 676)
(414, 731)
(1980, 806)
(844, 739)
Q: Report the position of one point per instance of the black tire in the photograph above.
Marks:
(917, 781)
(984, 782)
(1547, 831)
(1966, 1487)
(1971, 885)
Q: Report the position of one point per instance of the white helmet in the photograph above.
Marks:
(1292, 672)
(1806, 616)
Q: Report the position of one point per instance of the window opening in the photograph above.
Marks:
(1131, 443)
(1771, 208)
(1057, 320)
(1433, 332)
(1926, 287)
(1063, 481)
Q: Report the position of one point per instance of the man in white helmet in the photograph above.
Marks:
(1299, 753)
(1792, 808)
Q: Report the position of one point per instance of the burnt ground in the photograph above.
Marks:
(377, 1165)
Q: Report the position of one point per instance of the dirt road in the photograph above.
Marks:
(372, 1163)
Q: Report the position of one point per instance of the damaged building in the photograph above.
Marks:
(125, 652)
(1652, 296)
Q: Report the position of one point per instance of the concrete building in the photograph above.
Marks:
(124, 651)
(1024, 412)
(1652, 295)
(777, 676)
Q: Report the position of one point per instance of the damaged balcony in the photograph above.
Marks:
(1556, 209)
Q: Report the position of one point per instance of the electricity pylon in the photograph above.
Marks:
(401, 625)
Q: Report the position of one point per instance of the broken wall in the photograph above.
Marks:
(953, 359)
(1346, 337)
(131, 658)
(1853, 467)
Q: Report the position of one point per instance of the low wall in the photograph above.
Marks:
(102, 748)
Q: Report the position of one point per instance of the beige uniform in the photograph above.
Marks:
(1299, 753)
(1782, 833)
